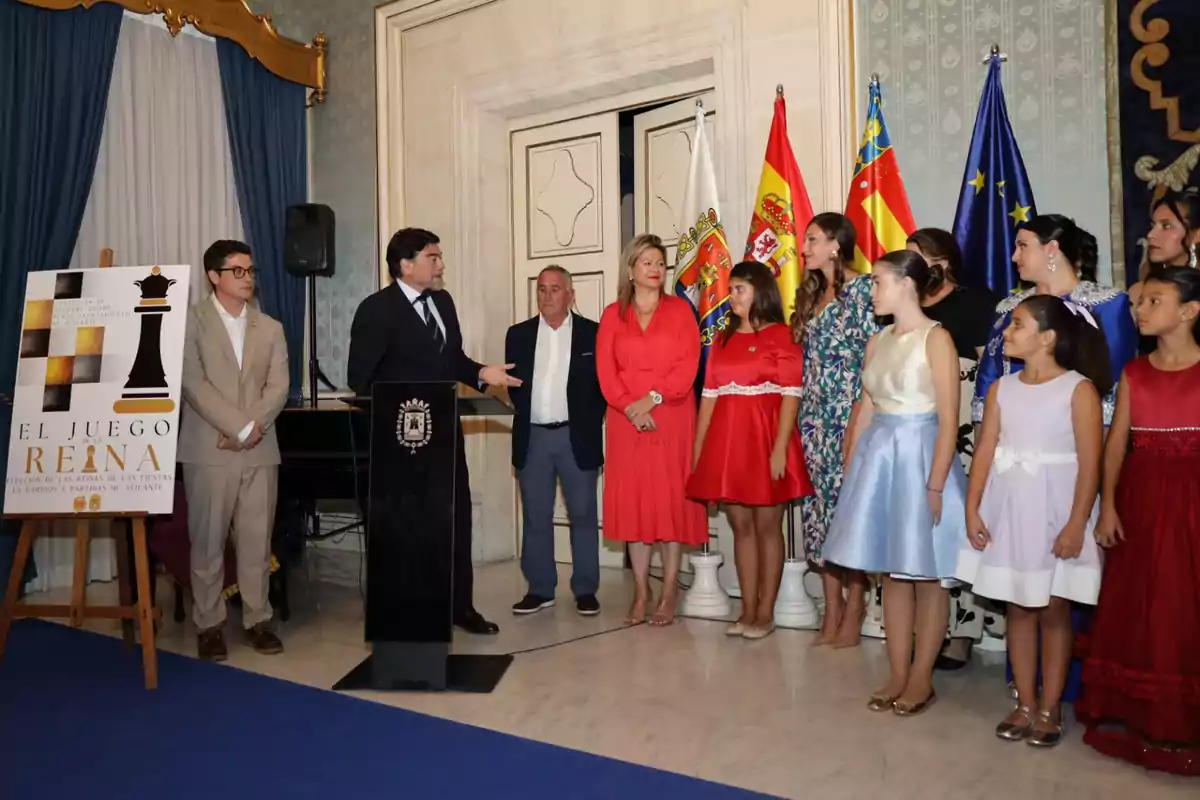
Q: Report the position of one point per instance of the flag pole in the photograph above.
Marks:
(791, 524)
(703, 547)
(702, 277)
(791, 530)
(781, 204)
(792, 602)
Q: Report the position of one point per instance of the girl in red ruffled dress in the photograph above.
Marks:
(1141, 675)
(748, 454)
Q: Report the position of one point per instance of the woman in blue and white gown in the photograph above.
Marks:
(1059, 258)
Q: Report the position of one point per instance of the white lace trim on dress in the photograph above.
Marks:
(752, 391)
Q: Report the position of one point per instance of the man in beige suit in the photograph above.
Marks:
(235, 383)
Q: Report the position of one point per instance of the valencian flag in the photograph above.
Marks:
(702, 262)
(996, 196)
(877, 203)
(781, 207)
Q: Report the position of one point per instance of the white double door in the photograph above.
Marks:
(567, 210)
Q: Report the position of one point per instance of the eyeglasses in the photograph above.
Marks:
(238, 272)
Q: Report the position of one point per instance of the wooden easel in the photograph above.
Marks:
(78, 609)
(143, 611)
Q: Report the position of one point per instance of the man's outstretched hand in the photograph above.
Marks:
(497, 375)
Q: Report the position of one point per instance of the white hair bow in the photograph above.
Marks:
(1080, 311)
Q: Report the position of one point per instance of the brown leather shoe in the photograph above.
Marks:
(210, 645)
(263, 641)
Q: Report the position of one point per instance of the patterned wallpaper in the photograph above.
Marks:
(928, 55)
(343, 173)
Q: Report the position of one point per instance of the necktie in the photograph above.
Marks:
(431, 323)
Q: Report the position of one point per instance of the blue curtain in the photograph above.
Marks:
(268, 138)
(55, 69)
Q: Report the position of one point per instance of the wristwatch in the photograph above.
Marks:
(656, 397)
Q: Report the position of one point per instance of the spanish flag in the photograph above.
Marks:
(878, 204)
(781, 211)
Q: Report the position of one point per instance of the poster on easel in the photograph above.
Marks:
(98, 390)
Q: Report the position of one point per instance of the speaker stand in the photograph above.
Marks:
(314, 365)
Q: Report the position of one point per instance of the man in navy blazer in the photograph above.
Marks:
(558, 436)
(409, 331)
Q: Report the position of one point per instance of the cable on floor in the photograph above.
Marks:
(605, 633)
(553, 645)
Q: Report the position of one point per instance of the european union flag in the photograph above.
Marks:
(996, 196)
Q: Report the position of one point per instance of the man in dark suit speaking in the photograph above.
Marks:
(409, 331)
(558, 437)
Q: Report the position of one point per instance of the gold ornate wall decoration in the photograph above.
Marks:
(231, 19)
(1116, 182)
(1155, 53)
(1173, 178)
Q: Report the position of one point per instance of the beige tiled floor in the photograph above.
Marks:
(774, 715)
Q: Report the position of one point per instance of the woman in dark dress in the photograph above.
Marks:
(966, 312)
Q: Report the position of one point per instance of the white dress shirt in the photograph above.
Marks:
(551, 366)
(236, 328)
(413, 297)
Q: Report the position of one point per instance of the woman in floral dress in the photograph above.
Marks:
(833, 322)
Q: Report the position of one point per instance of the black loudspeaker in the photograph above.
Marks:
(308, 241)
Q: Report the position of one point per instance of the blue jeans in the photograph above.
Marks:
(548, 462)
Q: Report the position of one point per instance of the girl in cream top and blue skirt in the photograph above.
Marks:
(901, 508)
(883, 522)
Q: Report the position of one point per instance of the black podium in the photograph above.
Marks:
(410, 543)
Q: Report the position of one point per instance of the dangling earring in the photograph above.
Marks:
(1192, 256)
(1052, 264)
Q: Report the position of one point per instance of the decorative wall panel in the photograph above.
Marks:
(928, 54)
(565, 210)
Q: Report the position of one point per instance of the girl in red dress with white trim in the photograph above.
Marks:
(748, 454)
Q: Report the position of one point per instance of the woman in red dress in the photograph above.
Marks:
(1141, 674)
(747, 453)
(647, 355)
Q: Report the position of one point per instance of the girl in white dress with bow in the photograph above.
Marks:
(1032, 500)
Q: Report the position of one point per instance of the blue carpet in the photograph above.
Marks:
(74, 716)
